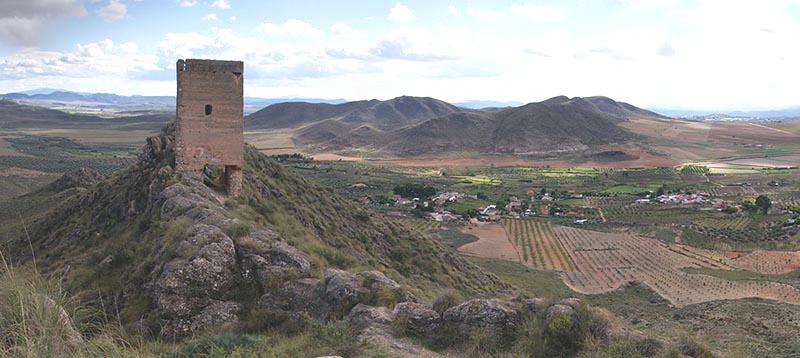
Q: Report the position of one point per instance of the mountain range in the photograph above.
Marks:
(407, 126)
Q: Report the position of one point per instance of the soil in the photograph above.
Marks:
(492, 242)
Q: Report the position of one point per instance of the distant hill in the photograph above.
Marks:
(17, 115)
(390, 114)
(557, 125)
(49, 97)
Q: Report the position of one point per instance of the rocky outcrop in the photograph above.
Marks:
(417, 319)
(78, 178)
(493, 316)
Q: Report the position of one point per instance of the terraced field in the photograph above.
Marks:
(421, 224)
(539, 247)
(606, 261)
(736, 223)
(594, 262)
(731, 191)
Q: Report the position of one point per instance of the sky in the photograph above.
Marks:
(677, 54)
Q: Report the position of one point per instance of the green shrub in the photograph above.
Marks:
(237, 230)
(447, 299)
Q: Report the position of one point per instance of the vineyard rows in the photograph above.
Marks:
(421, 225)
(538, 244)
(732, 223)
(732, 191)
(597, 262)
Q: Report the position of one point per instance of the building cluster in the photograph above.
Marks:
(681, 199)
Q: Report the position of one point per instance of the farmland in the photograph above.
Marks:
(594, 262)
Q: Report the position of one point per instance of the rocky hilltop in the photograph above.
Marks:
(178, 257)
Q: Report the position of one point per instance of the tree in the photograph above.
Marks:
(660, 190)
(749, 206)
(763, 203)
(414, 190)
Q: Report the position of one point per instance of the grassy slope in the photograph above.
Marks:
(118, 219)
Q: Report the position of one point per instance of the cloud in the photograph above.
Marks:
(535, 12)
(482, 13)
(181, 45)
(647, 3)
(115, 10)
(401, 13)
(21, 21)
(291, 27)
(210, 17)
(534, 52)
(91, 60)
(187, 3)
(129, 46)
(454, 11)
(344, 31)
(666, 50)
(222, 4)
(232, 18)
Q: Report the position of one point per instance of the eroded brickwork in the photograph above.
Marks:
(210, 118)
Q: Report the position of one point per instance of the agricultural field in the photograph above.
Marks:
(592, 262)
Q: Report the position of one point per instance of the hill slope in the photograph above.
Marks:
(16, 115)
(391, 114)
(177, 257)
(557, 125)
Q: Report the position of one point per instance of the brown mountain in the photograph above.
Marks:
(391, 114)
(557, 125)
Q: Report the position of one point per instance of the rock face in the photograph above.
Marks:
(493, 316)
(418, 319)
(78, 178)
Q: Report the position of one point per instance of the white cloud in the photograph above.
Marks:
(455, 11)
(22, 21)
(482, 13)
(90, 60)
(647, 3)
(291, 27)
(187, 3)
(222, 4)
(401, 13)
(232, 18)
(210, 17)
(115, 10)
(535, 12)
(182, 45)
(344, 31)
(129, 46)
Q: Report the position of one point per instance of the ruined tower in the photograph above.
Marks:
(210, 118)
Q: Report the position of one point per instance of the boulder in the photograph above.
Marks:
(377, 280)
(575, 303)
(418, 319)
(205, 270)
(363, 317)
(342, 292)
(216, 314)
(280, 263)
(530, 306)
(495, 316)
(558, 310)
(295, 295)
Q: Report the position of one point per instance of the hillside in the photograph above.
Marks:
(557, 125)
(16, 115)
(177, 257)
(391, 114)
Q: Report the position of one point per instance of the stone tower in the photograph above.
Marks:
(210, 120)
